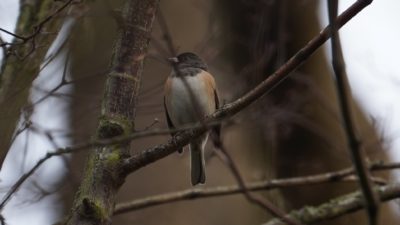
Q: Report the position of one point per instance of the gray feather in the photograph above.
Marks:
(197, 163)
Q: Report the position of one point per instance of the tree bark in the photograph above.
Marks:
(94, 203)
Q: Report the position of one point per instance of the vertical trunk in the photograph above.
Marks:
(89, 61)
(95, 200)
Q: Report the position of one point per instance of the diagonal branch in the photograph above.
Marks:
(355, 147)
(264, 204)
(150, 155)
(153, 154)
(338, 206)
(92, 144)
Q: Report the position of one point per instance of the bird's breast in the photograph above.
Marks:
(180, 105)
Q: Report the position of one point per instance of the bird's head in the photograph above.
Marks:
(189, 60)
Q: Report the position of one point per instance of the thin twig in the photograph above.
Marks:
(62, 83)
(92, 144)
(198, 193)
(36, 31)
(171, 48)
(355, 147)
(56, 53)
(223, 154)
(155, 153)
(166, 33)
(23, 178)
(12, 34)
(38, 28)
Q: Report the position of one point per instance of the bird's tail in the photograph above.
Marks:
(197, 162)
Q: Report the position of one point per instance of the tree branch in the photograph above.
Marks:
(263, 203)
(338, 206)
(355, 147)
(92, 144)
(192, 194)
(18, 73)
(95, 200)
(150, 155)
(153, 154)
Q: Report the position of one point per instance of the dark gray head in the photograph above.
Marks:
(189, 60)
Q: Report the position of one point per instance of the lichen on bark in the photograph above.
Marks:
(95, 200)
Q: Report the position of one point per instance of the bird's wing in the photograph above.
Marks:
(217, 128)
(209, 79)
(170, 125)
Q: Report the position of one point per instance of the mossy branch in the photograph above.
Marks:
(337, 207)
(95, 200)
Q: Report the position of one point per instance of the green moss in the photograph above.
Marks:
(94, 209)
(113, 158)
(109, 129)
(126, 124)
(99, 212)
(84, 187)
(308, 212)
(25, 18)
(112, 127)
(45, 8)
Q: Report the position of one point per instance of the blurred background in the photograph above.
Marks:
(294, 131)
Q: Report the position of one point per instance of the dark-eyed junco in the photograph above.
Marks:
(187, 102)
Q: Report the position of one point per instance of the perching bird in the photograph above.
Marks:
(187, 103)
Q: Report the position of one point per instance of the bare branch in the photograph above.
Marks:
(12, 34)
(112, 129)
(172, 50)
(17, 76)
(93, 144)
(37, 28)
(338, 206)
(263, 203)
(355, 147)
(178, 141)
(196, 193)
(23, 178)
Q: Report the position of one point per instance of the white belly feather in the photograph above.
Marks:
(180, 105)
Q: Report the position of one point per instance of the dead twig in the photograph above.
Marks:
(355, 146)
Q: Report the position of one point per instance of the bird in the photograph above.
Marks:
(188, 101)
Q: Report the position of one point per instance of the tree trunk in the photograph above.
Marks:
(94, 203)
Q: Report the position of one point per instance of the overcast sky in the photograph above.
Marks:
(371, 45)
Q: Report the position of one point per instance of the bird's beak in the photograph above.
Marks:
(173, 60)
